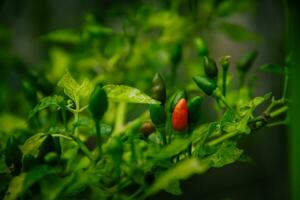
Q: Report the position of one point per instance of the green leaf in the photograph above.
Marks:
(9, 123)
(174, 188)
(238, 33)
(181, 171)
(123, 93)
(72, 89)
(175, 147)
(225, 154)
(276, 69)
(32, 145)
(228, 117)
(43, 104)
(229, 7)
(20, 184)
(98, 30)
(65, 36)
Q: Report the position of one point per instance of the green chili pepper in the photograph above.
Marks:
(98, 103)
(206, 84)
(176, 53)
(174, 99)
(194, 106)
(224, 62)
(158, 88)
(201, 47)
(13, 156)
(210, 67)
(246, 61)
(157, 114)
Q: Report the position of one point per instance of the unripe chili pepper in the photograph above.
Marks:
(157, 114)
(176, 53)
(13, 156)
(147, 129)
(194, 106)
(210, 67)
(174, 99)
(201, 47)
(180, 116)
(158, 88)
(246, 61)
(224, 62)
(206, 84)
(98, 102)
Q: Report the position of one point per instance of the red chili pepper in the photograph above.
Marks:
(180, 116)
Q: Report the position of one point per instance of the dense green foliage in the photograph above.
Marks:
(100, 122)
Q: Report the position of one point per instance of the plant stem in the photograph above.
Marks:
(285, 86)
(222, 98)
(278, 112)
(98, 135)
(120, 118)
(83, 148)
(222, 138)
(224, 81)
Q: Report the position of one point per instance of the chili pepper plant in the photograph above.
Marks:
(79, 143)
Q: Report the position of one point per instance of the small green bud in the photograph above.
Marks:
(98, 102)
(158, 88)
(210, 67)
(206, 84)
(225, 62)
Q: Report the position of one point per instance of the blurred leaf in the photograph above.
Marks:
(10, 123)
(238, 33)
(276, 69)
(175, 147)
(174, 188)
(226, 153)
(67, 36)
(229, 7)
(43, 104)
(60, 61)
(181, 171)
(20, 184)
(123, 93)
(72, 89)
(97, 29)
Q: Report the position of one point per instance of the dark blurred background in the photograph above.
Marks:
(267, 177)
